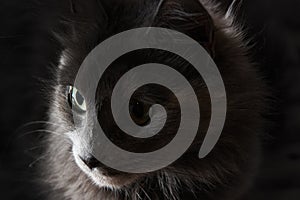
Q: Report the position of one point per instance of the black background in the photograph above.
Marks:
(27, 51)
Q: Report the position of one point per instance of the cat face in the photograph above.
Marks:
(139, 108)
(140, 103)
(224, 165)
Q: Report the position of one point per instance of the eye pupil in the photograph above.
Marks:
(138, 109)
(79, 98)
(139, 113)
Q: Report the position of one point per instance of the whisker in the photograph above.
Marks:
(36, 160)
(143, 190)
(33, 148)
(37, 123)
(38, 131)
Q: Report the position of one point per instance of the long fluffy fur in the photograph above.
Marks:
(225, 174)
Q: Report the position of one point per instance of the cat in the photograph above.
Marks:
(70, 172)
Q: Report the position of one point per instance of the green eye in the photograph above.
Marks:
(75, 99)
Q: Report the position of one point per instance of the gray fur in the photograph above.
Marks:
(225, 174)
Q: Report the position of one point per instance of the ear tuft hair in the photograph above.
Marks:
(189, 17)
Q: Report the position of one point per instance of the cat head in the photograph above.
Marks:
(91, 22)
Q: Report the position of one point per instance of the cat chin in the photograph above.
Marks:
(115, 182)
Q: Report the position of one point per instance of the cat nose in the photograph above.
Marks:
(90, 161)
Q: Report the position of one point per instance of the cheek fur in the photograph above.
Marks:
(69, 178)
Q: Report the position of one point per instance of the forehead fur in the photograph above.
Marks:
(81, 32)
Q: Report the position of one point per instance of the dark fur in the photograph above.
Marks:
(226, 172)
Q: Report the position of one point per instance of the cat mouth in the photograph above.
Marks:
(115, 181)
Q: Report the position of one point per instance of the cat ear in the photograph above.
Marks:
(78, 19)
(86, 11)
(189, 17)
